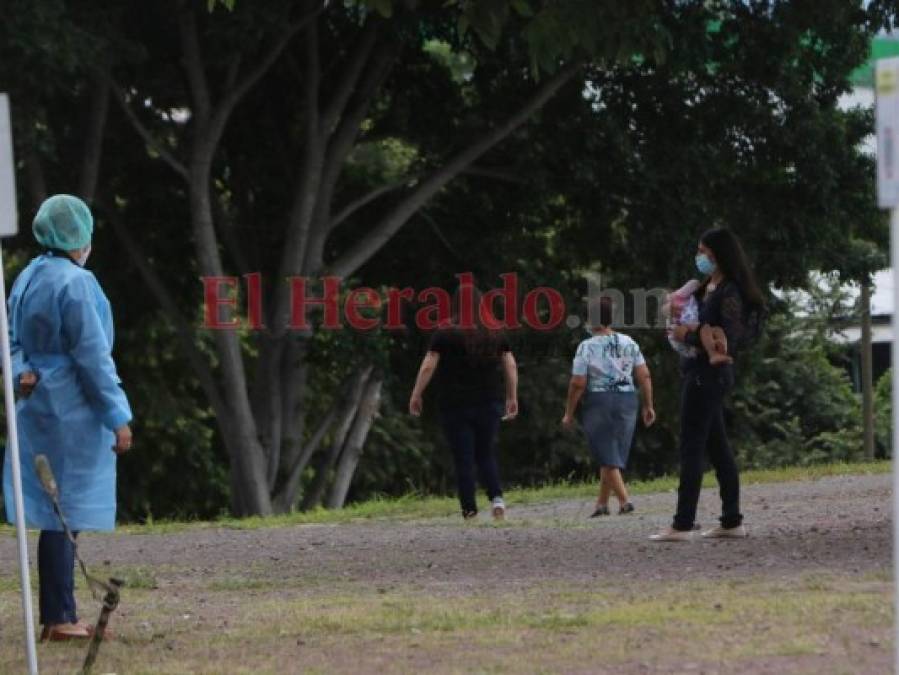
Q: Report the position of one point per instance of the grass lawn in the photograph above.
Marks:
(544, 628)
(362, 597)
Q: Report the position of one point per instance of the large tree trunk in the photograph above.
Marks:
(263, 429)
(352, 449)
(348, 408)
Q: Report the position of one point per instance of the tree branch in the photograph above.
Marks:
(294, 374)
(496, 174)
(288, 493)
(193, 62)
(146, 135)
(182, 327)
(93, 144)
(348, 407)
(441, 237)
(349, 78)
(233, 71)
(355, 442)
(340, 147)
(366, 199)
(228, 231)
(357, 255)
(307, 186)
(274, 51)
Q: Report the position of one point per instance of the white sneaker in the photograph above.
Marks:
(738, 532)
(671, 534)
(499, 509)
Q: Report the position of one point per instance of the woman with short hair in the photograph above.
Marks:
(605, 368)
(477, 387)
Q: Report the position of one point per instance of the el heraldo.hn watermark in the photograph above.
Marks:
(362, 308)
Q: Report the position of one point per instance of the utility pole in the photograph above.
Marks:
(9, 226)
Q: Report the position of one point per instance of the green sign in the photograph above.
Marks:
(881, 48)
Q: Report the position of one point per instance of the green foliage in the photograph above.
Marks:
(382, 7)
(227, 4)
(176, 468)
(793, 405)
(400, 457)
(385, 161)
(883, 413)
(460, 64)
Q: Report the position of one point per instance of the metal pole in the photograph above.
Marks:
(894, 259)
(12, 446)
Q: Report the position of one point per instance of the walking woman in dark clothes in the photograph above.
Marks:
(477, 385)
(729, 298)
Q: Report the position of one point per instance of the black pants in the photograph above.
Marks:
(702, 429)
(56, 572)
(471, 433)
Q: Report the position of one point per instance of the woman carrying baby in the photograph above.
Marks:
(728, 299)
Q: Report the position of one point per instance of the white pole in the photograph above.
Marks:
(894, 260)
(12, 445)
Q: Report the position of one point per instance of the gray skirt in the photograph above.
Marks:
(609, 418)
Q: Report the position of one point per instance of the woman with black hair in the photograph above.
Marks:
(477, 385)
(603, 373)
(729, 298)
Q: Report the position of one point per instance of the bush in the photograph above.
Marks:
(883, 414)
(793, 406)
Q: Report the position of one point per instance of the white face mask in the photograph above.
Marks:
(82, 259)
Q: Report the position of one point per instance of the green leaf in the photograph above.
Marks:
(228, 4)
(488, 18)
(382, 7)
(523, 8)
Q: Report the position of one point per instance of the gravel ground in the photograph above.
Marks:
(837, 526)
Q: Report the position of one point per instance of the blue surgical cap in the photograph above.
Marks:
(63, 222)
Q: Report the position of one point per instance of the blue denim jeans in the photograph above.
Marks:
(56, 571)
(471, 432)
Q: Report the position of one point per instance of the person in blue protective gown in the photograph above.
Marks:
(71, 405)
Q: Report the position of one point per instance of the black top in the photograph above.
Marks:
(470, 368)
(723, 307)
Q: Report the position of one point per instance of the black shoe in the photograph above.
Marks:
(600, 511)
(626, 508)
(468, 515)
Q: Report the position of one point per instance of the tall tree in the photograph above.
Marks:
(301, 138)
(334, 64)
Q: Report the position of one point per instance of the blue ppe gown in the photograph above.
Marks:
(60, 326)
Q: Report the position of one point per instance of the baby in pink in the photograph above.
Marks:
(682, 309)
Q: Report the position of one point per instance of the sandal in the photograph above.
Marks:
(61, 632)
(600, 511)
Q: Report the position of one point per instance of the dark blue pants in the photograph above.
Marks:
(702, 430)
(471, 433)
(56, 571)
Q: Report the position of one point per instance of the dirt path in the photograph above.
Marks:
(834, 524)
(835, 527)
